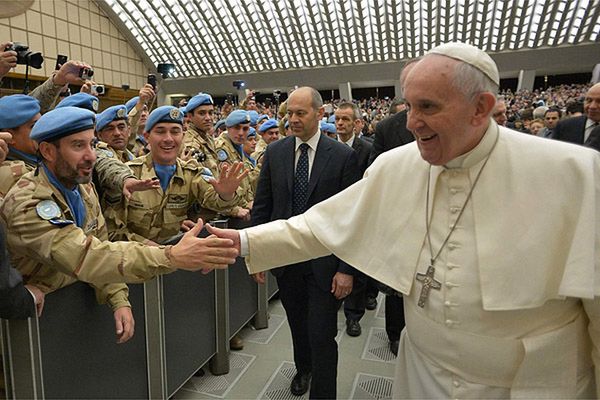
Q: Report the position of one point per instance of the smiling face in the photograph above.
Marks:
(591, 104)
(444, 122)
(165, 140)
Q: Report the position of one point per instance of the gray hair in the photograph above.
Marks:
(355, 110)
(471, 81)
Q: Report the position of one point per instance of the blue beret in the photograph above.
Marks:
(253, 117)
(109, 115)
(199, 100)
(62, 122)
(331, 119)
(132, 103)
(17, 109)
(237, 117)
(81, 100)
(262, 117)
(219, 124)
(326, 127)
(251, 132)
(182, 109)
(163, 114)
(269, 124)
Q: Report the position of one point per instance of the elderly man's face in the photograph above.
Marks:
(499, 113)
(591, 105)
(441, 119)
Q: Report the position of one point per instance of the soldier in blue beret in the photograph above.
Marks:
(329, 130)
(198, 141)
(219, 127)
(137, 113)
(250, 162)
(18, 114)
(269, 132)
(261, 119)
(331, 119)
(54, 214)
(230, 149)
(113, 131)
(81, 100)
(253, 117)
(182, 183)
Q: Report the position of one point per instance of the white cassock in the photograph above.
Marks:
(519, 274)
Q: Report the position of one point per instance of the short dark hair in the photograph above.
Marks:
(554, 109)
(574, 106)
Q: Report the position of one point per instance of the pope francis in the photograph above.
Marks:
(494, 242)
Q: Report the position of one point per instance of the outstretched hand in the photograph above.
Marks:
(193, 253)
(131, 185)
(229, 180)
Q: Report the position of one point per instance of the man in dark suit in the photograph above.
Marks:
(390, 132)
(299, 171)
(347, 123)
(577, 129)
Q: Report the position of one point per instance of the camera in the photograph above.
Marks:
(276, 94)
(98, 89)
(26, 57)
(152, 81)
(229, 98)
(86, 73)
(239, 84)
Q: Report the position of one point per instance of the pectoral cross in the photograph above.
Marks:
(429, 283)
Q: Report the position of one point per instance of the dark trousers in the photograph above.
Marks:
(312, 317)
(355, 302)
(394, 316)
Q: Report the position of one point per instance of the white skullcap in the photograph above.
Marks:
(470, 55)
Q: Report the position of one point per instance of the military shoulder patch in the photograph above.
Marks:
(222, 155)
(48, 210)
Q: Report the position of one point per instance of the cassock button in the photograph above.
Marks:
(454, 210)
(456, 383)
(448, 322)
(453, 191)
(447, 303)
(452, 246)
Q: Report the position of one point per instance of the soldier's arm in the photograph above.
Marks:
(68, 249)
(116, 295)
(48, 92)
(111, 174)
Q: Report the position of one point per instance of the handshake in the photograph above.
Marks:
(216, 251)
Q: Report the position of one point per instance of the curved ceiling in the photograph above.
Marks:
(220, 37)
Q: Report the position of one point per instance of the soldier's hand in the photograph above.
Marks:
(259, 278)
(8, 59)
(5, 137)
(341, 285)
(39, 298)
(193, 253)
(131, 185)
(87, 87)
(187, 225)
(124, 323)
(243, 214)
(146, 95)
(229, 180)
(69, 73)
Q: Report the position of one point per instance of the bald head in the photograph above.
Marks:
(315, 96)
(591, 105)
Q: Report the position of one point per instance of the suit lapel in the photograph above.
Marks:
(320, 162)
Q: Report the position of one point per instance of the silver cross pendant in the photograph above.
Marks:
(429, 283)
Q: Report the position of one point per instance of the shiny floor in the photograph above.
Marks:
(264, 368)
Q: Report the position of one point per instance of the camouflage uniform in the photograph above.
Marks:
(121, 155)
(261, 146)
(60, 250)
(47, 94)
(12, 170)
(204, 145)
(253, 174)
(157, 215)
(134, 144)
(245, 192)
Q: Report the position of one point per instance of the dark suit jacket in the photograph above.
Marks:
(594, 139)
(570, 130)
(334, 168)
(363, 150)
(15, 299)
(390, 132)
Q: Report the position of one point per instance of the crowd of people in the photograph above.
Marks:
(94, 196)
